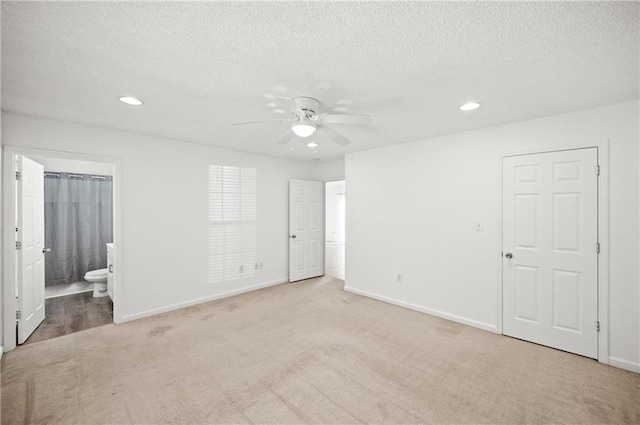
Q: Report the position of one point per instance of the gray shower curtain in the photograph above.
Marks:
(78, 222)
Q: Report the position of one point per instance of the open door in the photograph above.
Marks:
(306, 229)
(30, 247)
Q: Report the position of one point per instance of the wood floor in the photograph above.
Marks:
(72, 313)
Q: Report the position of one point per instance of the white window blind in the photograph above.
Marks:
(232, 223)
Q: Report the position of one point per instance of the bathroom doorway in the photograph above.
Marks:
(335, 204)
(65, 223)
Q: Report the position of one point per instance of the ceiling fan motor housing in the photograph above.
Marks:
(309, 105)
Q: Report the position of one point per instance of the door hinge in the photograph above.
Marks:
(598, 247)
(18, 245)
(597, 170)
(598, 326)
(18, 314)
(18, 175)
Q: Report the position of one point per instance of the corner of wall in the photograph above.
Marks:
(624, 364)
(330, 171)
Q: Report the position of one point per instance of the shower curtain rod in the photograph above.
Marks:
(75, 176)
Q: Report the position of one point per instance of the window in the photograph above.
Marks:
(232, 223)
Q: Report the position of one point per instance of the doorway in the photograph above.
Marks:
(62, 266)
(335, 236)
(551, 249)
(306, 229)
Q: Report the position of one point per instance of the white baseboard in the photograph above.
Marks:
(441, 314)
(1, 351)
(624, 364)
(153, 312)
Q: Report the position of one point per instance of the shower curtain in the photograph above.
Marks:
(78, 222)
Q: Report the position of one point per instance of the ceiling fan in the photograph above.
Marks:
(306, 119)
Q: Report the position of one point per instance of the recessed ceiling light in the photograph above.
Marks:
(312, 144)
(469, 106)
(131, 101)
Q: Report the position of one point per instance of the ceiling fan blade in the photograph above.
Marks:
(286, 138)
(258, 122)
(362, 119)
(330, 133)
(291, 106)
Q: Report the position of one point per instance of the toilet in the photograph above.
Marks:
(99, 279)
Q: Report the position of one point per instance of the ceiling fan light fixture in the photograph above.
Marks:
(469, 106)
(303, 129)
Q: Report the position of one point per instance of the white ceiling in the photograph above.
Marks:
(202, 66)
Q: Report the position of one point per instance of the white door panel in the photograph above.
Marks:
(306, 229)
(31, 255)
(550, 227)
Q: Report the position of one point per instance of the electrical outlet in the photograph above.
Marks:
(479, 225)
(399, 277)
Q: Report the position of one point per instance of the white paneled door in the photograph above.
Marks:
(306, 229)
(30, 247)
(550, 249)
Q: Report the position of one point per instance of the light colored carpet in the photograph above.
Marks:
(306, 353)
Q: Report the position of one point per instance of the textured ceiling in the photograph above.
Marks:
(202, 66)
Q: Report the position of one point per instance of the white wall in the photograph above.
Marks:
(74, 166)
(412, 208)
(164, 209)
(2, 235)
(335, 211)
(330, 171)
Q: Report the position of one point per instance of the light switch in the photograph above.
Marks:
(479, 226)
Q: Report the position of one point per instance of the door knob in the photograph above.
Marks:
(45, 250)
(508, 255)
(293, 236)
